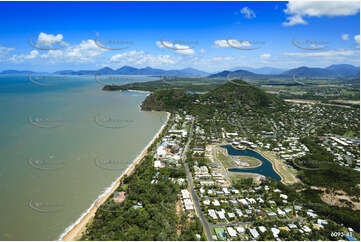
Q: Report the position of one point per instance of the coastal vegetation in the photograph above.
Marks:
(149, 210)
(236, 96)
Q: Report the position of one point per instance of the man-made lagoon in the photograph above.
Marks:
(265, 169)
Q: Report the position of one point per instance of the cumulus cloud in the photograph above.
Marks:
(345, 36)
(297, 10)
(49, 39)
(293, 20)
(86, 51)
(178, 48)
(357, 39)
(22, 57)
(248, 13)
(141, 58)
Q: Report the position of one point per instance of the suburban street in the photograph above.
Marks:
(193, 193)
(220, 164)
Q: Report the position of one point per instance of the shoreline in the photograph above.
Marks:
(75, 230)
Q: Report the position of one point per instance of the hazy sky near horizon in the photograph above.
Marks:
(210, 36)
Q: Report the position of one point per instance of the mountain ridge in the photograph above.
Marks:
(124, 70)
(332, 71)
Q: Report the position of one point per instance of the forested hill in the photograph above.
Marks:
(241, 93)
(167, 100)
(234, 96)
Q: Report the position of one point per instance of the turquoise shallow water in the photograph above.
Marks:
(61, 146)
(265, 169)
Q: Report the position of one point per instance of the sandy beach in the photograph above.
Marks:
(74, 232)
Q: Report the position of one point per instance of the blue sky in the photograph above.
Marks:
(210, 36)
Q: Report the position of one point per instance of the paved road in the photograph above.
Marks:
(193, 193)
(196, 201)
(220, 164)
(197, 205)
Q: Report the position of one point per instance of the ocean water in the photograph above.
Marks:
(63, 141)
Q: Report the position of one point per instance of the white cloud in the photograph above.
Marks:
(22, 57)
(357, 39)
(330, 53)
(221, 44)
(4, 51)
(231, 43)
(265, 56)
(300, 9)
(345, 36)
(140, 58)
(178, 48)
(86, 51)
(49, 39)
(248, 13)
(182, 49)
(293, 20)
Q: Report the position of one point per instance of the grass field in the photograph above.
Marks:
(229, 162)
